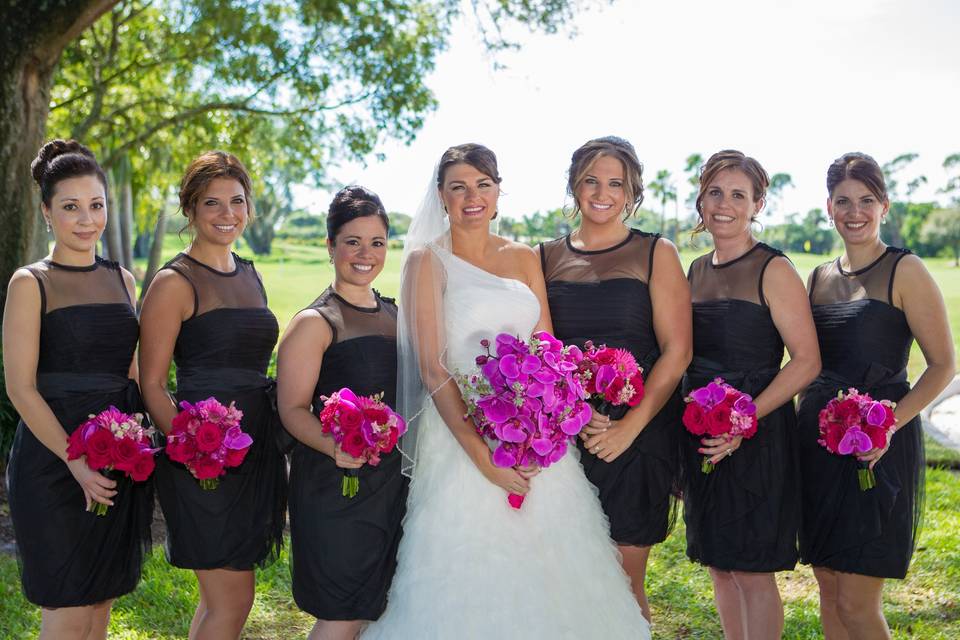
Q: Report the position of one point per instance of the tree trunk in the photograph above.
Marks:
(156, 251)
(126, 222)
(32, 38)
(111, 235)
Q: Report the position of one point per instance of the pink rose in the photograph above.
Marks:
(181, 448)
(206, 468)
(75, 444)
(235, 457)
(354, 444)
(718, 420)
(694, 419)
(142, 466)
(125, 453)
(208, 437)
(832, 434)
(99, 448)
(350, 417)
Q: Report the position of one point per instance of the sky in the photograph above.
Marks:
(794, 84)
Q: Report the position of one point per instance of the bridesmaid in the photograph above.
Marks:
(207, 310)
(344, 549)
(69, 335)
(608, 283)
(748, 303)
(868, 305)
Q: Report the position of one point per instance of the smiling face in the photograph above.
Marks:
(77, 213)
(856, 211)
(220, 214)
(360, 250)
(727, 206)
(600, 195)
(469, 196)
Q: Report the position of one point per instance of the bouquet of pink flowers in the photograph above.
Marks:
(611, 376)
(854, 423)
(719, 409)
(207, 438)
(364, 427)
(528, 400)
(113, 440)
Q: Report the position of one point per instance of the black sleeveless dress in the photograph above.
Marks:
(744, 515)
(864, 343)
(223, 351)
(88, 333)
(345, 549)
(604, 296)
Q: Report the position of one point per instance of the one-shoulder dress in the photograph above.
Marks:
(88, 334)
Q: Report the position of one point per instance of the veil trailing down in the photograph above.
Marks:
(470, 566)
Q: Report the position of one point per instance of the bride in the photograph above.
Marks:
(470, 566)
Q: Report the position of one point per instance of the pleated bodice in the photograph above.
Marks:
(87, 323)
(858, 326)
(732, 325)
(231, 327)
(603, 295)
(363, 353)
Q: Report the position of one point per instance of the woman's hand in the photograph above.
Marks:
(609, 443)
(598, 424)
(96, 487)
(346, 461)
(509, 479)
(720, 447)
(873, 456)
(529, 471)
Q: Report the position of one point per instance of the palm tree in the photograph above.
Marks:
(664, 191)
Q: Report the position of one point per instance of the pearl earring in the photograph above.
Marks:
(48, 224)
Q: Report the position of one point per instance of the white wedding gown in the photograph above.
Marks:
(470, 566)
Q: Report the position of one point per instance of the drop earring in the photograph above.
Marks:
(47, 221)
(830, 221)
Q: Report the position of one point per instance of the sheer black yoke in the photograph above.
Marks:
(88, 323)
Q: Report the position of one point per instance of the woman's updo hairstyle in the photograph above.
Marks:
(60, 160)
(206, 168)
(861, 167)
(476, 155)
(731, 159)
(351, 203)
(614, 147)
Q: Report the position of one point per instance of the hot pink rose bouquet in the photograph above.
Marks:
(719, 409)
(854, 423)
(527, 399)
(363, 426)
(113, 440)
(207, 438)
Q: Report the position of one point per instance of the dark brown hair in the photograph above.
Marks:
(476, 155)
(204, 169)
(62, 159)
(731, 159)
(351, 203)
(861, 167)
(615, 147)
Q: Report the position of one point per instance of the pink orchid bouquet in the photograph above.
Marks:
(363, 426)
(853, 423)
(206, 437)
(611, 377)
(114, 440)
(718, 409)
(527, 400)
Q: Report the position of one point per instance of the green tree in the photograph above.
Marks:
(168, 78)
(778, 183)
(942, 229)
(665, 191)
(952, 187)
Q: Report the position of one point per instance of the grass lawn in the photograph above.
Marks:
(926, 605)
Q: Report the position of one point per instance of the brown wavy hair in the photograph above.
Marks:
(204, 169)
(476, 155)
(731, 159)
(861, 167)
(615, 147)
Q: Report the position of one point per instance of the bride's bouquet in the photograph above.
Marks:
(527, 400)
